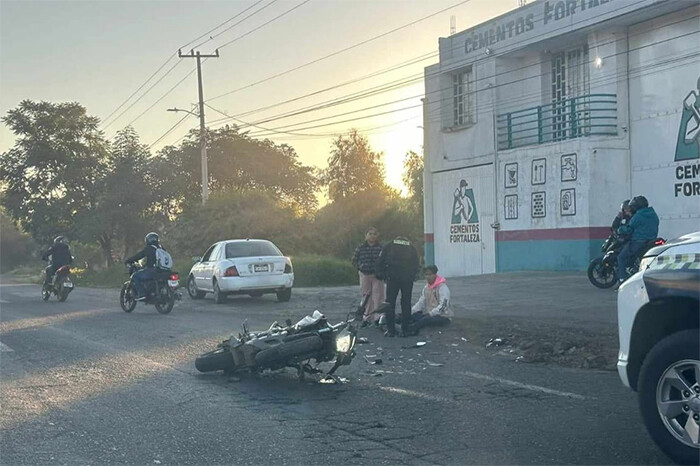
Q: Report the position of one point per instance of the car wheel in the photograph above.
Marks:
(219, 296)
(192, 289)
(284, 295)
(669, 395)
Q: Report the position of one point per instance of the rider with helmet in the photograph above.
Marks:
(60, 255)
(642, 228)
(623, 216)
(148, 272)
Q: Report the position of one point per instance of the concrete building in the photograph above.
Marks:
(540, 122)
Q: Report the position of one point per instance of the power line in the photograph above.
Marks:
(407, 81)
(228, 28)
(472, 92)
(172, 128)
(339, 51)
(264, 24)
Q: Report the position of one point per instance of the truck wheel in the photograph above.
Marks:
(669, 395)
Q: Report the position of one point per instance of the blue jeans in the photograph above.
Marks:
(628, 252)
(421, 320)
(139, 277)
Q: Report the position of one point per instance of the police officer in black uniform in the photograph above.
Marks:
(398, 265)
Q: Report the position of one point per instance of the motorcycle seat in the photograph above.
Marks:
(310, 321)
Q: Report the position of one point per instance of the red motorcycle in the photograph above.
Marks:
(61, 285)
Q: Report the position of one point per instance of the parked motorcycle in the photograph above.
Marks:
(161, 291)
(313, 337)
(61, 285)
(602, 271)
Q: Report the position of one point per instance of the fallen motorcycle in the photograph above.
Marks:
(161, 290)
(312, 338)
(61, 285)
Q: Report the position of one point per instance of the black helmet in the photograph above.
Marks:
(59, 239)
(638, 202)
(625, 205)
(151, 238)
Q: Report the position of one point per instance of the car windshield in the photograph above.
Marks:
(251, 249)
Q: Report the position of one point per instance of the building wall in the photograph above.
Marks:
(664, 73)
(562, 219)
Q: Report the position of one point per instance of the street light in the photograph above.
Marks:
(203, 149)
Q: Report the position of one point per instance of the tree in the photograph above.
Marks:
(50, 173)
(353, 168)
(236, 163)
(413, 175)
(123, 197)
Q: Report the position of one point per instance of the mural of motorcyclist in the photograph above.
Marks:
(642, 228)
(60, 255)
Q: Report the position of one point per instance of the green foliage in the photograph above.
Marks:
(233, 215)
(16, 248)
(413, 175)
(312, 270)
(237, 162)
(50, 173)
(353, 168)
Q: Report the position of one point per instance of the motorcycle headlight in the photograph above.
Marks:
(646, 262)
(343, 342)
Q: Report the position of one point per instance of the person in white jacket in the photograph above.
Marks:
(433, 307)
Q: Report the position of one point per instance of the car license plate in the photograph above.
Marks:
(261, 268)
(68, 285)
(174, 283)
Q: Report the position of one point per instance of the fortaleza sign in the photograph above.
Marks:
(465, 218)
(553, 11)
(688, 147)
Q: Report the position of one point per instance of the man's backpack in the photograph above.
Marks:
(163, 259)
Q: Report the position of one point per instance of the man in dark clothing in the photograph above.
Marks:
(364, 260)
(148, 271)
(642, 228)
(60, 256)
(623, 216)
(398, 265)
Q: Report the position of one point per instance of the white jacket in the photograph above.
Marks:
(434, 302)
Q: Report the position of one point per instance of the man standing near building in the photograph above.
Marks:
(398, 264)
(364, 260)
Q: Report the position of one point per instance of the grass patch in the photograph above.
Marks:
(312, 270)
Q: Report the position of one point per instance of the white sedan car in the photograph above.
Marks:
(241, 266)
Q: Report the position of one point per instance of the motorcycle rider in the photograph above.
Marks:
(642, 228)
(152, 241)
(60, 255)
(623, 216)
(398, 265)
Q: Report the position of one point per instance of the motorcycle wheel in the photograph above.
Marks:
(220, 359)
(165, 308)
(45, 293)
(63, 295)
(126, 298)
(601, 276)
(281, 353)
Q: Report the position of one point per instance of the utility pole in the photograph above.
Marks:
(202, 137)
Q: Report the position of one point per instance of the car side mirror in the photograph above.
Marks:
(196, 259)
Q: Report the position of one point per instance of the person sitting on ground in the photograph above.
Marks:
(433, 307)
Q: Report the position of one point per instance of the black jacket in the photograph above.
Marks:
(365, 257)
(60, 255)
(397, 261)
(149, 252)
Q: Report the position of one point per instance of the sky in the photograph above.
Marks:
(99, 52)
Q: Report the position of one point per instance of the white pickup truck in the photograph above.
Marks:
(658, 312)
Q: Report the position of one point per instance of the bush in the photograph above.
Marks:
(16, 248)
(312, 270)
(116, 275)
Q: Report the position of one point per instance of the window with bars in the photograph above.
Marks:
(570, 79)
(463, 98)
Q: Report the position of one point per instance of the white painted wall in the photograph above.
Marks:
(661, 76)
(456, 259)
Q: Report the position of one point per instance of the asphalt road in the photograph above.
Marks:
(82, 382)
